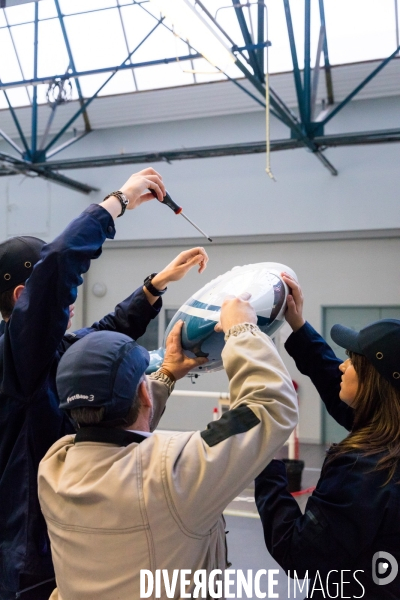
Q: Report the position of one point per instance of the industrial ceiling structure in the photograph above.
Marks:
(60, 51)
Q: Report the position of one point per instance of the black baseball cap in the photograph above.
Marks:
(379, 342)
(18, 256)
(101, 369)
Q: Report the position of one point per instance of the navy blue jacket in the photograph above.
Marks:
(352, 513)
(31, 345)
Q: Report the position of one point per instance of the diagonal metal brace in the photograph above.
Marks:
(288, 118)
(25, 167)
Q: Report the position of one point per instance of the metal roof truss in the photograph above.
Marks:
(306, 130)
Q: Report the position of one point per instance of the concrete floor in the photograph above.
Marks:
(246, 547)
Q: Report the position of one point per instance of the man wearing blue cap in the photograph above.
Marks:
(38, 285)
(123, 503)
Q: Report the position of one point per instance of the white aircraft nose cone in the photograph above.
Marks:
(201, 312)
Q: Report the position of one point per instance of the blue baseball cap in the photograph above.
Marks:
(18, 256)
(379, 342)
(101, 369)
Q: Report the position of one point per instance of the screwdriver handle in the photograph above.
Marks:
(167, 200)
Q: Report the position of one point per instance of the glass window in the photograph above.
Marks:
(357, 30)
(103, 43)
(9, 69)
(69, 7)
(50, 37)
(162, 76)
(47, 9)
(20, 14)
(206, 72)
(138, 23)
(121, 82)
(17, 97)
(23, 39)
(150, 339)
(360, 30)
(169, 315)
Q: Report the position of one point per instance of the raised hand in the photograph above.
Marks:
(138, 184)
(294, 311)
(180, 266)
(235, 311)
(136, 189)
(175, 360)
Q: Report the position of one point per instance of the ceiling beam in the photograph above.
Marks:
(10, 165)
(328, 141)
(123, 67)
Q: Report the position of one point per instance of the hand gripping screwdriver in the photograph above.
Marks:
(167, 200)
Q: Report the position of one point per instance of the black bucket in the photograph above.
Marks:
(294, 470)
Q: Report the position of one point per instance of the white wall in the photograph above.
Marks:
(229, 195)
(332, 273)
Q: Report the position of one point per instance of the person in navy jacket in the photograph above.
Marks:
(347, 540)
(38, 286)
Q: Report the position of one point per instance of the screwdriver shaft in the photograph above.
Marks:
(195, 226)
(178, 211)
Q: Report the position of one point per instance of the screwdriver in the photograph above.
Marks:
(178, 211)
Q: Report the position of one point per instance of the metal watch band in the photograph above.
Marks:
(122, 198)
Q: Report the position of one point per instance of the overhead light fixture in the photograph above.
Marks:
(191, 26)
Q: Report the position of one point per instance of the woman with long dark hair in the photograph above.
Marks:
(347, 543)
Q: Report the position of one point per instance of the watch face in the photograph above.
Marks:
(149, 278)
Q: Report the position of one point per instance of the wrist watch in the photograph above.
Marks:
(149, 286)
(123, 200)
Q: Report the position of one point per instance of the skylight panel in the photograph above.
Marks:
(122, 82)
(357, 30)
(204, 72)
(17, 97)
(79, 6)
(159, 45)
(162, 76)
(23, 37)
(103, 43)
(360, 30)
(279, 56)
(50, 37)
(9, 69)
(297, 13)
(47, 9)
(20, 14)
(138, 23)
(224, 14)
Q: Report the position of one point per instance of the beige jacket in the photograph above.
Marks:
(112, 510)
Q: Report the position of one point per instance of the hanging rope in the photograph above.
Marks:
(218, 71)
